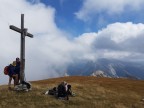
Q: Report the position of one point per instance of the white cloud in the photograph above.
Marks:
(38, 19)
(120, 32)
(92, 7)
(49, 52)
(119, 40)
(86, 38)
(34, 1)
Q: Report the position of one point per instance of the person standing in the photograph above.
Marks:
(12, 74)
(17, 68)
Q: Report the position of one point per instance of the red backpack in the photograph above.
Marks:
(6, 70)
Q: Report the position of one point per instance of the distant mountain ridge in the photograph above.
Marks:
(107, 68)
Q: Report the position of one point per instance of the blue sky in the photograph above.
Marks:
(67, 20)
(65, 17)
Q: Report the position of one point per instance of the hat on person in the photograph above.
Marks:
(14, 63)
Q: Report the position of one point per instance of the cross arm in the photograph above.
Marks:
(29, 35)
(19, 30)
(15, 28)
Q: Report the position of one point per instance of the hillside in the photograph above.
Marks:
(91, 92)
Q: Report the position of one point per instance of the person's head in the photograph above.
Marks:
(64, 83)
(17, 59)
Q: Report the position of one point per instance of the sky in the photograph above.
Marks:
(67, 31)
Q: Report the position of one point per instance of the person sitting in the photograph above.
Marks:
(62, 90)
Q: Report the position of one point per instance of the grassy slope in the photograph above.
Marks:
(90, 92)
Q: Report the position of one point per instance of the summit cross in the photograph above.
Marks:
(23, 32)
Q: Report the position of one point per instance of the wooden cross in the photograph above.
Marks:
(24, 33)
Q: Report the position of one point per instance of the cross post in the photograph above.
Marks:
(24, 33)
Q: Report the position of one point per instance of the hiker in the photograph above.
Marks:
(17, 68)
(62, 90)
(12, 74)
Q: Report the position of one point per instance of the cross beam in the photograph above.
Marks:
(20, 31)
(24, 33)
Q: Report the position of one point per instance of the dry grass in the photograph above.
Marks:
(90, 92)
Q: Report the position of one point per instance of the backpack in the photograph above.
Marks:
(6, 70)
(24, 86)
(28, 85)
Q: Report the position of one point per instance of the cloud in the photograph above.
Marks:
(49, 52)
(119, 41)
(39, 19)
(111, 7)
(34, 1)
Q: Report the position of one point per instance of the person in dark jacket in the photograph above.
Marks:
(17, 68)
(12, 74)
(62, 90)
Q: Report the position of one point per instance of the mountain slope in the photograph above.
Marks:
(91, 92)
(109, 68)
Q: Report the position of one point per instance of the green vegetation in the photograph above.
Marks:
(91, 92)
